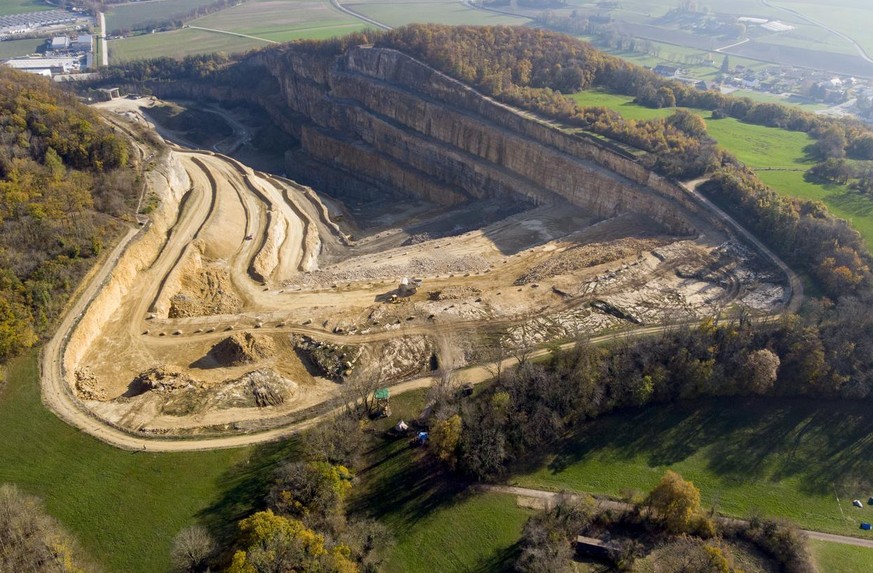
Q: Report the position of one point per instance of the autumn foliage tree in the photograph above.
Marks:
(675, 502)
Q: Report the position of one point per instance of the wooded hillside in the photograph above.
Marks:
(61, 172)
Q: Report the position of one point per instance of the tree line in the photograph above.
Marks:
(826, 353)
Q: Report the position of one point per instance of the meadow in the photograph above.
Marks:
(779, 157)
(124, 507)
(14, 48)
(265, 21)
(8, 7)
(437, 12)
(133, 15)
(788, 458)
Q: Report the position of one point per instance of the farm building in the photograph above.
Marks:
(666, 71)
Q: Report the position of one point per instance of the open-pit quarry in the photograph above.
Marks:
(441, 230)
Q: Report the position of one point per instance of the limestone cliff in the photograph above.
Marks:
(378, 121)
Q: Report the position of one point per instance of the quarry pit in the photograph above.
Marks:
(248, 296)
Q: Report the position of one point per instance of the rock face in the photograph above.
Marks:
(374, 121)
(401, 125)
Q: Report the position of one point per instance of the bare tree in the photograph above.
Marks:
(31, 541)
(192, 549)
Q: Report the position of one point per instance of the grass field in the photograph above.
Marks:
(834, 558)
(124, 507)
(133, 15)
(8, 7)
(852, 17)
(763, 149)
(178, 43)
(437, 12)
(265, 20)
(14, 48)
(779, 459)
(283, 20)
(773, 458)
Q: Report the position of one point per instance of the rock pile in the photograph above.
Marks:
(242, 348)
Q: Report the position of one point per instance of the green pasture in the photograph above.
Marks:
(133, 15)
(768, 457)
(437, 12)
(779, 157)
(836, 558)
(124, 507)
(8, 7)
(178, 43)
(283, 20)
(851, 17)
(15, 48)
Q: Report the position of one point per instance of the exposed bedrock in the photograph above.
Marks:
(387, 122)
(395, 121)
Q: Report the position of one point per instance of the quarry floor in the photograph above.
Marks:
(247, 299)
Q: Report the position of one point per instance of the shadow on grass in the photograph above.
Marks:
(401, 485)
(502, 561)
(743, 440)
(247, 485)
(853, 202)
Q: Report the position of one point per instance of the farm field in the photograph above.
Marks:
(8, 7)
(124, 507)
(133, 15)
(778, 156)
(266, 21)
(773, 458)
(438, 12)
(14, 48)
(841, 15)
(282, 20)
(178, 43)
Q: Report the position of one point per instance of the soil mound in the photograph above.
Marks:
(160, 380)
(242, 348)
(207, 293)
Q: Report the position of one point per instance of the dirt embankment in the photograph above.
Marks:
(169, 181)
